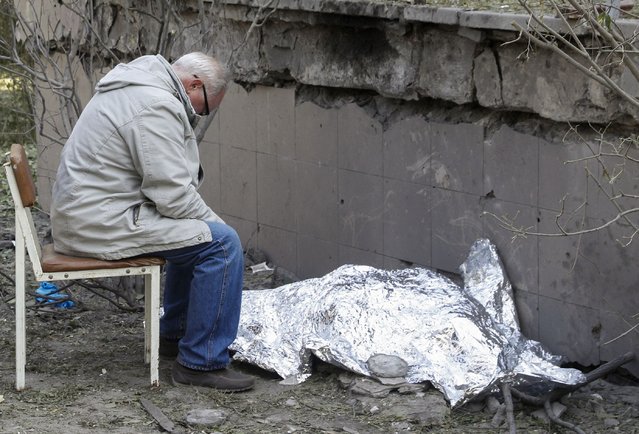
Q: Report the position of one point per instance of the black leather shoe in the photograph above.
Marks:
(221, 379)
(168, 348)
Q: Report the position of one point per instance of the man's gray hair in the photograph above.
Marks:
(213, 74)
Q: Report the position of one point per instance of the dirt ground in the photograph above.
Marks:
(85, 373)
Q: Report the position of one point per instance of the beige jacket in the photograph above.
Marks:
(128, 177)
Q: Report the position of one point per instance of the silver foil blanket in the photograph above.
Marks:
(463, 340)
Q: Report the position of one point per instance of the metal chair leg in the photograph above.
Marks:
(21, 342)
(152, 324)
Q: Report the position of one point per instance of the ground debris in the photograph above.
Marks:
(166, 424)
(67, 353)
(206, 416)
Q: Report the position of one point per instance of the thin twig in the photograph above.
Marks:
(6, 276)
(553, 417)
(510, 413)
(96, 292)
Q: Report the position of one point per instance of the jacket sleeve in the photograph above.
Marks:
(166, 156)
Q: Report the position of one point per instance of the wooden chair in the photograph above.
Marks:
(51, 266)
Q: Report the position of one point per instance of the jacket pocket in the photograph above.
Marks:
(139, 212)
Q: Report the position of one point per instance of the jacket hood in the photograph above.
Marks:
(149, 70)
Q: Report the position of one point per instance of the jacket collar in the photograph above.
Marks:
(180, 92)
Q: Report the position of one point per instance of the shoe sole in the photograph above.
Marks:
(178, 384)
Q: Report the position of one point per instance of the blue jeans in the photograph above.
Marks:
(202, 298)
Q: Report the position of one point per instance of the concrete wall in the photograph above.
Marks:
(379, 134)
(319, 187)
(384, 132)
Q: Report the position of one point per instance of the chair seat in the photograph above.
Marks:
(53, 261)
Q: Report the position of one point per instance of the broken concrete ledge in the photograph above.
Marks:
(413, 52)
(427, 14)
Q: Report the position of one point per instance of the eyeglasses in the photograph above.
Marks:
(206, 99)
(206, 102)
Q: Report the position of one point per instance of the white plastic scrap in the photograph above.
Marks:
(464, 340)
(262, 266)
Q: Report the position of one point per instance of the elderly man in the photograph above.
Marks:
(127, 186)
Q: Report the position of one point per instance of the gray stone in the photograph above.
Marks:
(548, 85)
(474, 407)
(408, 388)
(557, 408)
(346, 379)
(339, 63)
(367, 387)
(499, 417)
(384, 365)
(428, 410)
(391, 381)
(487, 80)
(610, 422)
(450, 77)
(492, 405)
(206, 416)
(401, 426)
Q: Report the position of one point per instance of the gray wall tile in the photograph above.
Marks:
(211, 188)
(315, 257)
(568, 265)
(570, 330)
(361, 208)
(527, 305)
(280, 246)
(407, 221)
(351, 255)
(520, 255)
(275, 132)
(395, 264)
(511, 162)
(276, 181)
(212, 134)
(456, 226)
(564, 184)
(407, 151)
(617, 338)
(359, 141)
(246, 229)
(316, 134)
(317, 201)
(458, 157)
(618, 176)
(239, 183)
(237, 119)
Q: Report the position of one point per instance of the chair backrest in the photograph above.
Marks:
(23, 193)
(22, 172)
